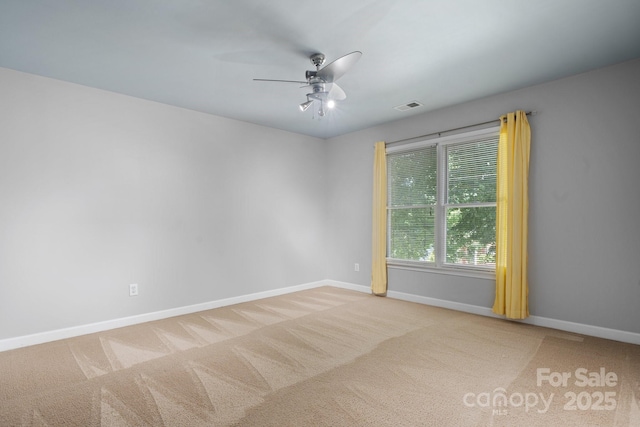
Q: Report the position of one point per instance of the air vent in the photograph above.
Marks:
(408, 106)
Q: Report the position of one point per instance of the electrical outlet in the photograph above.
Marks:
(356, 267)
(133, 290)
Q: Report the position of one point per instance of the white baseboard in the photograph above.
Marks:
(59, 334)
(579, 328)
(48, 336)
(350, 286)
(563, 325)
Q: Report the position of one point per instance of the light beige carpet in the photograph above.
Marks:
(323, 357)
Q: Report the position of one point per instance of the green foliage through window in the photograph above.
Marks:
(464, 221)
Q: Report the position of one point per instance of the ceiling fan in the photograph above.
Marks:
(324, 90)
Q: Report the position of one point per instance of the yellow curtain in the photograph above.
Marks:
(379, 239)
(512, 289)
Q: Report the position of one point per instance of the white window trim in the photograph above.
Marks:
(441, 267)
(429, 267)
(444, 140)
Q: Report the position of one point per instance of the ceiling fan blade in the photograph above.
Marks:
(337, 68)
(280, 81)
(336, 93)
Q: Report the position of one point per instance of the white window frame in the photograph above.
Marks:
(440, 265)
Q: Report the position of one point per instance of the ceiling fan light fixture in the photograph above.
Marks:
(305, 105)
(322, 81)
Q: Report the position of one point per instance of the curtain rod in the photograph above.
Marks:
(529, 113)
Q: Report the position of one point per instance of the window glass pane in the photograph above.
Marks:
(471, 236)
(412, 177)
(472, 172)
(411, 234)
(463, 221)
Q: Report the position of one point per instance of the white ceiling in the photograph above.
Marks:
(203, 55)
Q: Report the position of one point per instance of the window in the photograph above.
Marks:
(442, 202)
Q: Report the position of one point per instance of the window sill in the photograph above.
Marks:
(431, 268)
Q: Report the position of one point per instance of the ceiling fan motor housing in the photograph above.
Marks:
(317, 59)
(323, 79)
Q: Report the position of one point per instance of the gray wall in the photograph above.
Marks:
(584, 250)
(100, 190)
